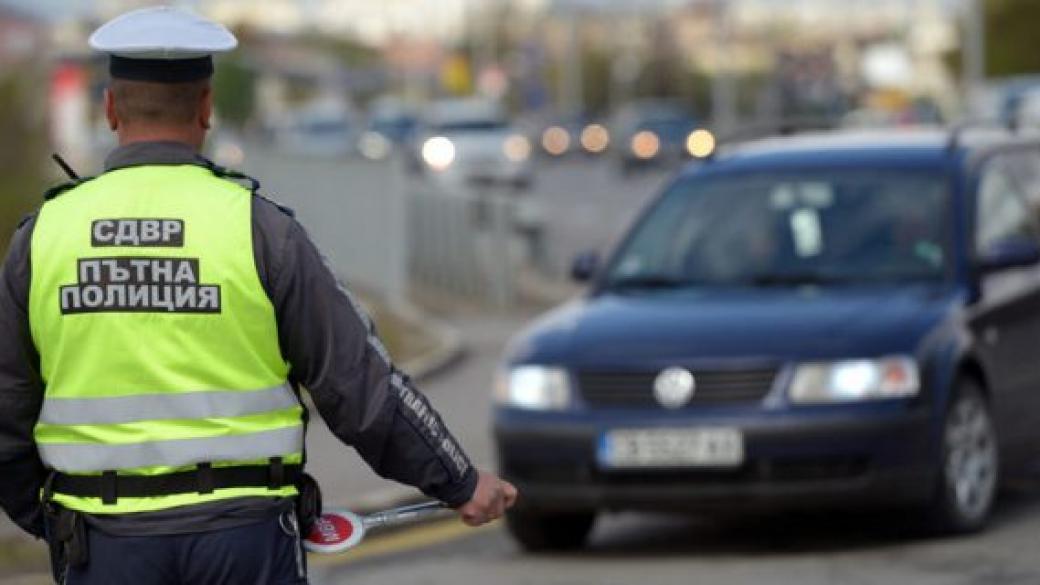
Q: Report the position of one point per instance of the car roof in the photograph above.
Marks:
(902, 148)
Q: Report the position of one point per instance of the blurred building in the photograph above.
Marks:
(819, 52)
(22, 37)
(373, 22)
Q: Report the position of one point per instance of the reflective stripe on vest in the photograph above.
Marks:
(86, 457)
(158, 344)
(166, 406)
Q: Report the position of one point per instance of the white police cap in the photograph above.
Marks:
(162, 44)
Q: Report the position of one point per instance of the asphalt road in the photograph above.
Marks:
(785, 550)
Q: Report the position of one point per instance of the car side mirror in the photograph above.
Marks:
(1012, 252)
(585, 266)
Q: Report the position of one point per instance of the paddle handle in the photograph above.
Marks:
(403, 515)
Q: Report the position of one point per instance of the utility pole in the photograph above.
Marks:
(973, 51)
(723, 85)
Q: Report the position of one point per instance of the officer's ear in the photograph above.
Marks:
(110, 110)
(206, 108)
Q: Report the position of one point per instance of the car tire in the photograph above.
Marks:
(969, 467)
(538, 531)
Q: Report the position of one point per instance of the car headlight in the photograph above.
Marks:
(517, 148)
(438, 152)
(556, 140)
(645, 145)
(533, 388)
(374, 146)
(855, 380)
(700, 143)
(595, 138)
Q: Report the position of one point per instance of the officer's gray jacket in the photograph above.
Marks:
(325, 336)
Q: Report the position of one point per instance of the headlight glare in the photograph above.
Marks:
(645, 145)
(533, 388)
(855, 380)
(700, 143)
(438, 152)
(556, 140)
(517, 148)
(374, 146)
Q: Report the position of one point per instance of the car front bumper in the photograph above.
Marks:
(837, 457)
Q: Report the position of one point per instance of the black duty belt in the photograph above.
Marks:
(204, 479)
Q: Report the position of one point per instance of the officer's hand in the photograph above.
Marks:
(490, 501)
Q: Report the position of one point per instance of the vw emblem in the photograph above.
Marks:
(674, 387)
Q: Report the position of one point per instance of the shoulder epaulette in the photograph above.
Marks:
(254, 185)
(60, 189)
(233, 175)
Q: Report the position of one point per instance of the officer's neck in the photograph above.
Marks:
(190, 136)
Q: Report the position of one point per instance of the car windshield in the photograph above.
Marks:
(833, 227)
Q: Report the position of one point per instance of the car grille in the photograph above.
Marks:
(636, 389)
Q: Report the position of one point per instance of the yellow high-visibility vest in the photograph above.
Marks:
(158, 344)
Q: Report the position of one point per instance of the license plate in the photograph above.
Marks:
(645, 448)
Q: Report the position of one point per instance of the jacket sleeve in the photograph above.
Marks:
(335, 353)
(21, 391)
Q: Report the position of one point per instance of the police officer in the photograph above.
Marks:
(156, 325)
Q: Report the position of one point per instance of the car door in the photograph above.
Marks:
(1006, 321)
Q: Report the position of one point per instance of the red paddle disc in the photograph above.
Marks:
(335, 531)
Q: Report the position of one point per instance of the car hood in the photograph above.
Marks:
(761, 325)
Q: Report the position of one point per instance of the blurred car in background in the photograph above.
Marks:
(473, 141)
(653, 132)
(822, 320)
(392, 125)
(573, 135)
(320, 129)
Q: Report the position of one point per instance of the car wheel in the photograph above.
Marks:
(970, 466)
(549, 532)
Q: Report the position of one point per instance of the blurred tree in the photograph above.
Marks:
(348, 52)
(23, 155)
(1011, 37)
(234, 86)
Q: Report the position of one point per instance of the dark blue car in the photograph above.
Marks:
(824, 320)
(652, 132)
